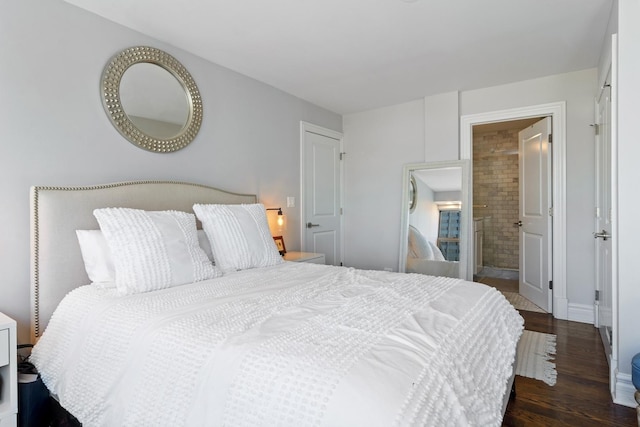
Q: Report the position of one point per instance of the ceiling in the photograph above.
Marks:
(354, 55)
(440, 179)
(507, 125)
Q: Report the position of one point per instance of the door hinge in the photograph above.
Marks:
(597, 295)
(342, 155)
(551, 211)
(550, 284)
(596, 128)
(550, 138)
(340, 211)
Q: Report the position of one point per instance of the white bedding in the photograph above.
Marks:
(294, 344)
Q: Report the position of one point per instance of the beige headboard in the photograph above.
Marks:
(57, 212)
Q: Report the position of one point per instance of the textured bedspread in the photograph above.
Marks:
(296, 344)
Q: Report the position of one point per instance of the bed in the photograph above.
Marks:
(279, 343)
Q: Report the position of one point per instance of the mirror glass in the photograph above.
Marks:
(434, 231)
(154, 100)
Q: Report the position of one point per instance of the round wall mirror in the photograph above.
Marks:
(151, 99)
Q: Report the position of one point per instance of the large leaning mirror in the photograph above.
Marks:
(151, 99)
(434, 236)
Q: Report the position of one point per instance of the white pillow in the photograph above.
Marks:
(437, 253)
(153, 250)
(203, 241)
(418, 245)
(239, 236)
(96, 255)
(97, 258)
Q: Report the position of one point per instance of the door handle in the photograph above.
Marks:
(309, 225)
(519, 223)
(603, 234)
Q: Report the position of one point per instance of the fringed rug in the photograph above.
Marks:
(521, 303)
(535, 352)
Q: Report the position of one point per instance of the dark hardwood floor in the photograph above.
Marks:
(581, 395)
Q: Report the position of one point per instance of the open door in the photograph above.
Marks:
(603, 223)
(535, 214)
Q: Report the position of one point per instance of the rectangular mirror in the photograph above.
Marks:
(436, 207)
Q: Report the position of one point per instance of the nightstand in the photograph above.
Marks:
(310, 257)
(8, 373)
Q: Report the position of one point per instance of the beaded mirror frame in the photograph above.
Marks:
(111, 98)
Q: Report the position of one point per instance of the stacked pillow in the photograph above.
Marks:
(98, 261)
(144, 251)
(239, 236)
(421, 248)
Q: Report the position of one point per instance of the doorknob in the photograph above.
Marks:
(519, 223)
(603, 234)
(309, 225)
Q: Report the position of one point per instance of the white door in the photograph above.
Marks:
(604, 317)
(535, 215)
(321, 180)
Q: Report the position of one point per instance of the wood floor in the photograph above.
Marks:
(581, 395)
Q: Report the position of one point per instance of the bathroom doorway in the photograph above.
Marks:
(511, 201)
(496, 197)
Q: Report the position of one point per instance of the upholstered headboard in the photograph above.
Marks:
(57, 212)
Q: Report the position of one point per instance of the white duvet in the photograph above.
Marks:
(292, 345)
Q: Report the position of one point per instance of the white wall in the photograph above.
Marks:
(54, 131)
(628, 201)
(378, 143)
(441, 124)
(374, 243)
(425, 215)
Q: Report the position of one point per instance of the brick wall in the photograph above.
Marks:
(495, 184)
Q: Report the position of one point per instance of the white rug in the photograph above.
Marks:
(521, 303)
(535, 352)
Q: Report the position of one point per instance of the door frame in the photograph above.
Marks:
(329, 133)
(557, 111)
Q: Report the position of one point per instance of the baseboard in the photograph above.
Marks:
(560, 308)
(624, 391)
(582, 313)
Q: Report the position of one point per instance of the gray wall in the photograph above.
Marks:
(54, 131)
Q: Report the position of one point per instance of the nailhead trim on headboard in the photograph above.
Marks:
(35, 221)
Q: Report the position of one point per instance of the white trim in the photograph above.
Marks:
(624, 390)
(557, 111)
(614, 213)
(329, 133)
(583, 313)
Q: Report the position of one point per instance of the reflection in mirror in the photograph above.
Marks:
(433, 236)
(154, 100)
(413, 194)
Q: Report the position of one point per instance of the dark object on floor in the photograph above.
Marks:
(635, 378)
(33, 397)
